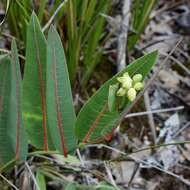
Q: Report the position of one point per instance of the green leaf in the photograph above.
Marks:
(140, 16)
(8, 166)
(41, 180)
(60, 109)
(34, 84)
(106, 186)
(94, 121)
(18, 135)
(12, 134)
(69, 159)
(6, 148)
(42, 9)
(19, 11)
(112, 97)
(73, 40)
(71, 186)
(93, 51)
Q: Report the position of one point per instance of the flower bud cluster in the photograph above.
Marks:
(129, 86)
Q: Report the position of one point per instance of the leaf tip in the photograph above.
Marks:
(155, 53)
(13, 44)
(34, 17)
(52, 31)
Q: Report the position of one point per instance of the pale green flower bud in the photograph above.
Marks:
(120, 79)
(138, 86)
(127, 84)
(127, 77)
(131, 94)
(124, 78)
(126, 74)
(137, 78)
(125, 81)
(121, 92)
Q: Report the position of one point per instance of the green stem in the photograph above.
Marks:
(152, 147)
(161, 145)
(43, 152)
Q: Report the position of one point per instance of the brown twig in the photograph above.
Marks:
(122, 37)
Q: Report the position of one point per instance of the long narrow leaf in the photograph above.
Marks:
(6, 150)
(140, 16)
(60, 110)
(42, 9)
(34, 103)
(18, 135)
(73, 38)
(12, 134)
(41, 180)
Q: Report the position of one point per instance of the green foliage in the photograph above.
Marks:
(16, 96)
(112, 97)
(12, 134)
(34, 86)
(21, 11)
(42, 6)
(85, 28)
(93, 49)
(46, 100)
(41, 180)
(100, 186)
(60, 110)
(95, 121)
(141, 10)
(71, 186)
(105, 186)
(18, 11)
(6, 150)
(48, 105)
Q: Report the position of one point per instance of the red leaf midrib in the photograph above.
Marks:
(59, 117)
(42, 90)
(18, 108)
(94, 125)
